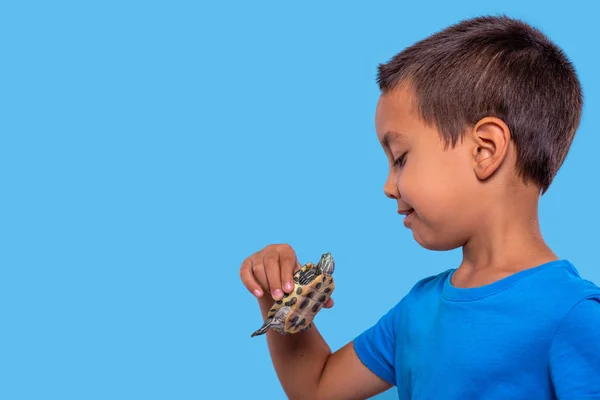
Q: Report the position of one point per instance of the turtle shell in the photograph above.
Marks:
(305, 301)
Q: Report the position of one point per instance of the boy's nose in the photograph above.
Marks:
(390, 189)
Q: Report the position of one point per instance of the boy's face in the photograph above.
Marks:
(438, 184)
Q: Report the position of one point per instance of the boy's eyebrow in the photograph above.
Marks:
(391, 135)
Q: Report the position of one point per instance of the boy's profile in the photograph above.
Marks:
(475, 122)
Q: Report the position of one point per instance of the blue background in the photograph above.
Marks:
(148, 147)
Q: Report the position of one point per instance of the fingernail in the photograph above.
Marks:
(289, 286)
(277, 293)
(257, 293)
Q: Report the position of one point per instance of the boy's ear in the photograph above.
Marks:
(492, 139)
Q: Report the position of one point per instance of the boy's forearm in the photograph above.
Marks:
(298, 358)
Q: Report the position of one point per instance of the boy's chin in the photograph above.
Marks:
(434, 242)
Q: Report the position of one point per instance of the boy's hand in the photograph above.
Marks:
(341, 375)
(271, 270)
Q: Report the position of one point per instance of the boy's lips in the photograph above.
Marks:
(406, 212)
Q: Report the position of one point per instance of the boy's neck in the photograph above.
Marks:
(509, 240)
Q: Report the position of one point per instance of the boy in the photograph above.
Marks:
(475, 122)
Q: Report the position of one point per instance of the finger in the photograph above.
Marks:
(258, 269)
(273, 270)
(248, 278)
(287, 260)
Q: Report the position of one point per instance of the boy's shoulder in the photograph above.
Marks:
(429, 284)
(561, 280)
(554, 282)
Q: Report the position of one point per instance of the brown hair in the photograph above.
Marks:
(495, 66)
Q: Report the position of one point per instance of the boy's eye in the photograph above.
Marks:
(400, 160)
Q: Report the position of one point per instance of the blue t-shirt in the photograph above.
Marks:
(532, 335)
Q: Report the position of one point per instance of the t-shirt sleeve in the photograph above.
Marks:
(575, 353)
(376, 346)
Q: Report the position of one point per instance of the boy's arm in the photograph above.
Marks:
(574, 359)
(303, 361)
(307, 369)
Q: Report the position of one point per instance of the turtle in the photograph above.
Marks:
(313, 285)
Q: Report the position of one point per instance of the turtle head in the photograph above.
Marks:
(326, 264)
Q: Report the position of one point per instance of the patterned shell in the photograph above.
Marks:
(305, 301)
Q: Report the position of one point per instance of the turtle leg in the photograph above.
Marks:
(276, 322)
(263, 329)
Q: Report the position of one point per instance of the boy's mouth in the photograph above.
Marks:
(406, 212)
